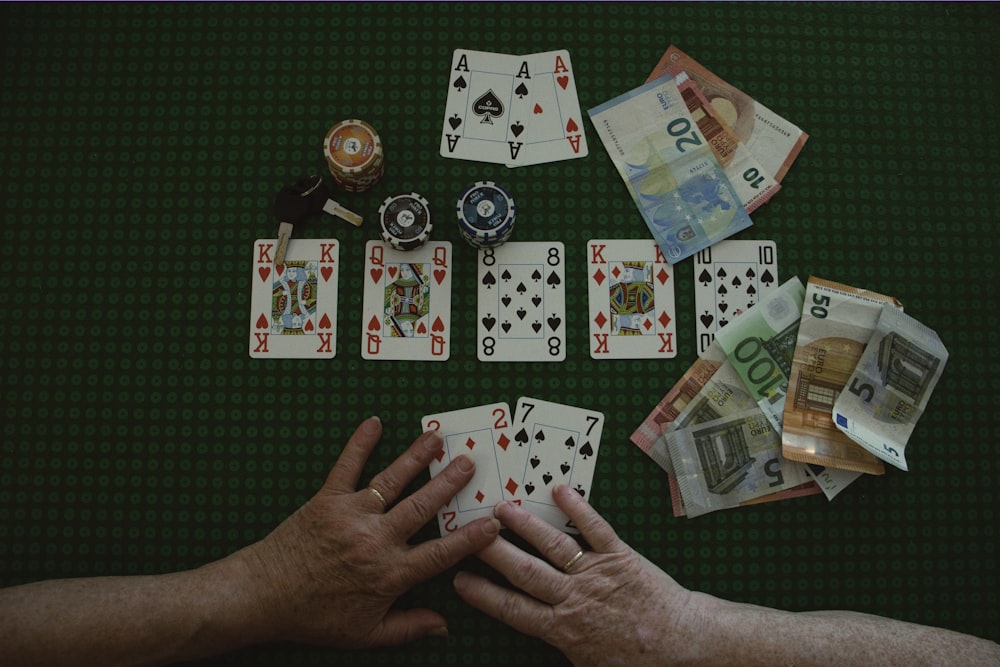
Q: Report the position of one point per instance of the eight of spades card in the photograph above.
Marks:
(729, 278)
(522, 302)
(293, 306)
(631, 296)
(407, 302)
(478, 124)
(481, 433)
(553, 129)
(562, 444)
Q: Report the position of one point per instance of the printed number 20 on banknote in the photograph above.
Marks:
(674, 178)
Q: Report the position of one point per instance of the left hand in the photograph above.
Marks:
(331, 572)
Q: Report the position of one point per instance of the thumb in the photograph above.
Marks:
(402, 626)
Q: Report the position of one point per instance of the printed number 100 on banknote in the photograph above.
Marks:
(674, 178)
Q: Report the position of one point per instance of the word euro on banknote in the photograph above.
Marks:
(671, 173)
(774, 140)
(889, 389)
(724, 462)
(837, 322)
(760, 344)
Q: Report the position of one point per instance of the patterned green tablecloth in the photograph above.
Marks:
(141, 146)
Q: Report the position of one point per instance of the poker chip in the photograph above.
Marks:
(405, 221)
(353, 152)
(486, 214)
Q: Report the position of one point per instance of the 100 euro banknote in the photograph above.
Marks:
(674, 178)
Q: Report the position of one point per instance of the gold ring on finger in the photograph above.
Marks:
(572, 561)
(380, 497)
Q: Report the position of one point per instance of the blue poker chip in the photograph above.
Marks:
(485, 209)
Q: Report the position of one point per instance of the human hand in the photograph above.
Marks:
(330, 573)
(608, 606)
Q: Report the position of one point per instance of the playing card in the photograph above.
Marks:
(554, 128)
(293, 306)
(482, 87)
(522, 302)
(562, 442)
(482, 434)
(631, 294)
(730, 277)
(407, 302)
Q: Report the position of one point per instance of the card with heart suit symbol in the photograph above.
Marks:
(521, 314)
(293, 306)
(407, 302)
(554, 444)
(729, 278)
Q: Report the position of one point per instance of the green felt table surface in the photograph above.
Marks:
(141, 147)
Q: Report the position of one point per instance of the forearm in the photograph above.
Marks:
(139, 620)
(744, 635)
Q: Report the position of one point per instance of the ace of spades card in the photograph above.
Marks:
(729, 278)
(407, 302)
(481, 433)
(522, 302)
(562, 444)
(554, 129)
(631, 296)
(488, 96)
(293, 306)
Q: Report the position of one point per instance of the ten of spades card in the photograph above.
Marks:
(729, 278)
(407, 302)
(631, 296)
(522, 302)
(478, 124)
(481, 433)
(293, 306)
(563, 442)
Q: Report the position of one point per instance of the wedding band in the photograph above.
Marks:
(378, 495)
(572, 561)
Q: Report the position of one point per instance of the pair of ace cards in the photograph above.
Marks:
(512, 110)
(729, 278)
(519, 457)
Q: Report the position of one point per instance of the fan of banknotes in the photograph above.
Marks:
(696, 154)
(803, 393)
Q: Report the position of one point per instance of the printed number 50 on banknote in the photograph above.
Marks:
(674, 178)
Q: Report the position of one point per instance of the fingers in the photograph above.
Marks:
(347, 471)
(391, 481)
(555, 545)
(525, 615)
(599, 534)
(532, 575)
(428, 559)
(409, 515)
(401, 627)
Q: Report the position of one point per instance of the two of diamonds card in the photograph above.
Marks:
(513, 110)
(729, 278)
(631, 297)
(407, 302)
(522, 302)
(519, 458)
(293, 306)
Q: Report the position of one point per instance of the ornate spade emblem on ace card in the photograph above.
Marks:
(489, 106)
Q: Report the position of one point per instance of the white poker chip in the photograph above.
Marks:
(405, 221)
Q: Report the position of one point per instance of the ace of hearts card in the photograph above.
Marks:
(293, 306)
(522, 302)
(481, 433)
(407, 302)
(631, 298)
(729, 278)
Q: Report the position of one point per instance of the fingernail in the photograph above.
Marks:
(491, 527)
(465, 464)
(438, 632)
(373, 424)
(432, 440)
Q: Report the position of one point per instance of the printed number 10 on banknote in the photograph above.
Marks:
(674, 178)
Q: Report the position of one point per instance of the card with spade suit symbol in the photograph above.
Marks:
(729, 278)
(630, 287)
(407, 302)
(293, 306)
(521, 314)
(560, 445)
